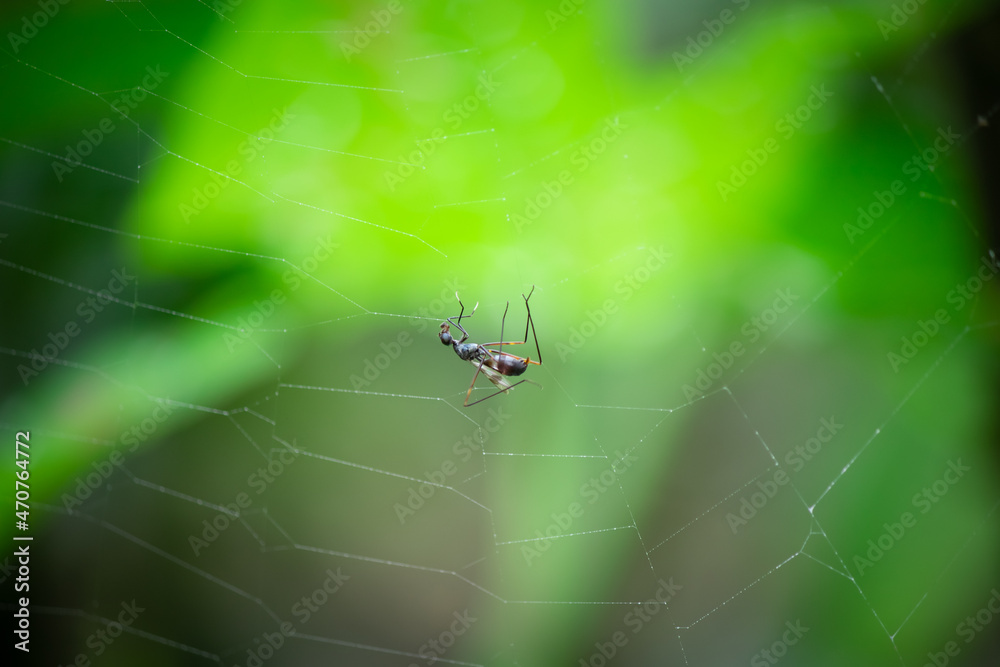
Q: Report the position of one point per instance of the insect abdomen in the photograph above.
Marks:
(508, 365)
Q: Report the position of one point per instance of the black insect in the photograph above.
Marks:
(495, 364)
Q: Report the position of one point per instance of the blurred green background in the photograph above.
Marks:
(764, 428)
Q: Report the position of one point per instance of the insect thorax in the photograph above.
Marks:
(467, 351)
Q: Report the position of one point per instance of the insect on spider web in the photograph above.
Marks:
(496, 365)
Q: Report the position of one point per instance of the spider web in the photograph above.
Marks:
(256, 444)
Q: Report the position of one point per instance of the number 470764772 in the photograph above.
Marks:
(21, 483)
